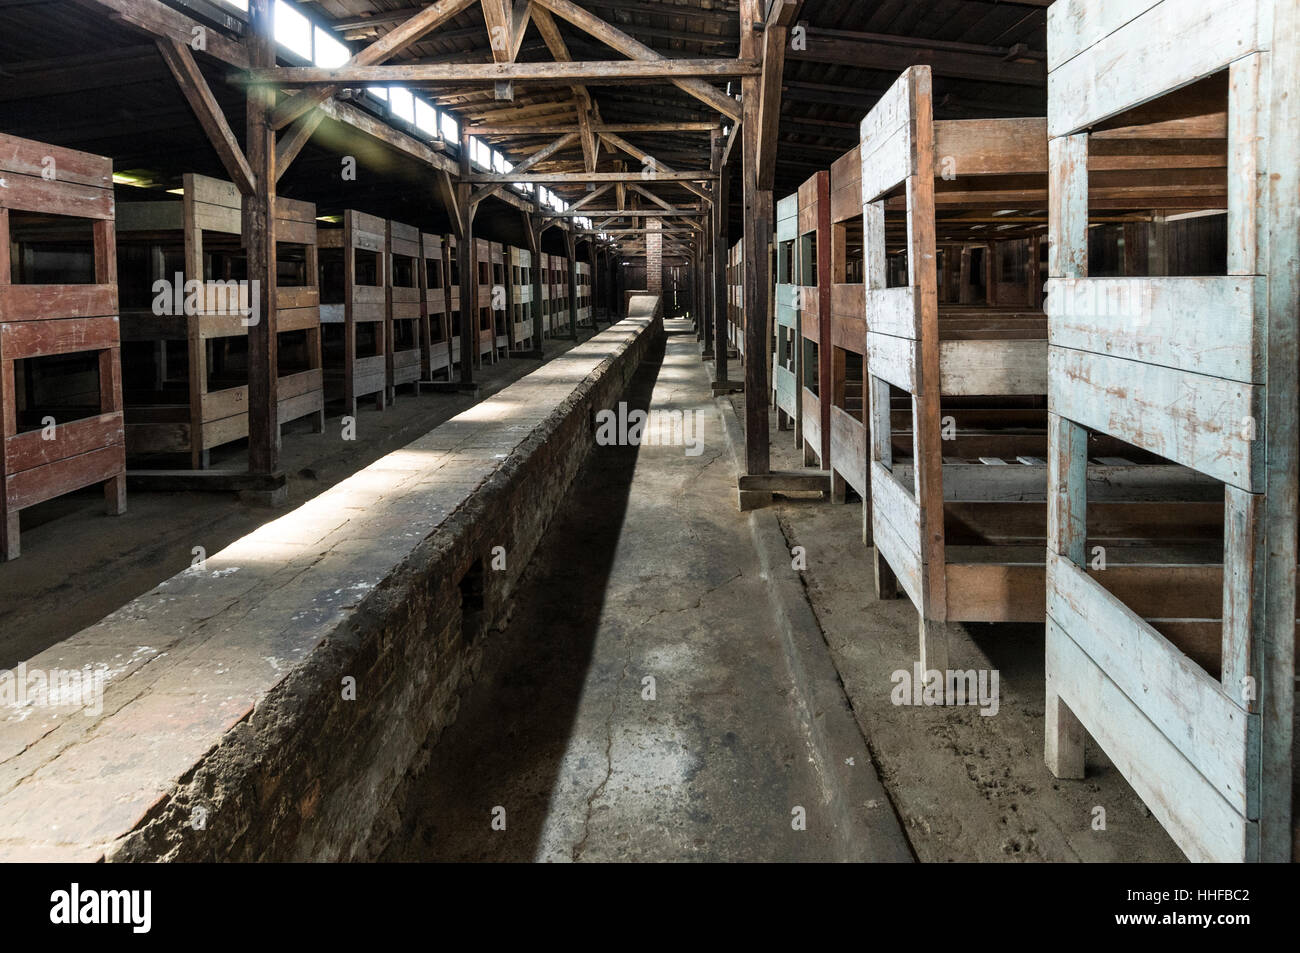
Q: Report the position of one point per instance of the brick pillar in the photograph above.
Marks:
(654, 257)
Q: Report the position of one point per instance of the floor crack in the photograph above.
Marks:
(609, 767)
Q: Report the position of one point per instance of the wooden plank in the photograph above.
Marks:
(58, 477)
(1203, 325)
(973, 147)
(893, 359)
(32, 193)
(892, 311)
(849, 450)
(64, 336)
(896, 529)
(1189, 40)
(1202, 422)
(19, 303)
(1185, 704)
(31, 158)
(1200, 820)
(27, 450)
(971, 368)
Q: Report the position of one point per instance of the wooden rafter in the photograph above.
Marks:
(180, 61)
(581, 97)
(618, 40)
(541, 155)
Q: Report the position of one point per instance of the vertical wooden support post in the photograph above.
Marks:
(758, 234)
(538, 303)
(1067, 458)
(9, 542)
(721, 289)
(467, 262)
(110, 359)
(259, 246)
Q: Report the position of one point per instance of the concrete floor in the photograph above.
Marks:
(649, 572)
(78, 565)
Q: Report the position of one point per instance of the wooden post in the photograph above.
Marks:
(539, 328)
(1067, 458)
(467, 262)
(259, 245)
(721, 289)
(758, 235)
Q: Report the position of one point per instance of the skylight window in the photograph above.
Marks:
(379, 91)
(426, 118)
(330, 53)
(401, 103)
(450, 127)
(292, 30)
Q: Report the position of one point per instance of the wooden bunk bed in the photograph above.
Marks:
(848, 337)
(499, 302)
(453, 301)
(61, 420)
(1191, 697)
(521, 297)
(354, 309)
(582, 270)
(486, 325)
(958, 478)
(785, 355)
(813, 265)
(736, 298)
(435, 273)
(404, 283)
(186, 374)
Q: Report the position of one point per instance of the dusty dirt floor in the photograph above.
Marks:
(968, 787)
(78, 565)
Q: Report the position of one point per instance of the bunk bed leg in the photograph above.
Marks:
(9, 548)
(318, 421)
(886, 581)
(933, 645)
(839, 488)
(114, 495)
(1063, 744)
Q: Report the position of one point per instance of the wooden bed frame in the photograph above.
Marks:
(404, 364)
(849, 459)
(813, 272)
(453, 302)
(191, 230)
(347, 376)
(435, 277)
(1193, 703)
(963, 526)
(736, 298)
(582, 269)
(499, 294)
(521, 297)
(786, 353)
(486, 319)
(49, 319)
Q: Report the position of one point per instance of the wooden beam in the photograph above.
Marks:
(668, 212)
(382, 49)
(416, 74)
(541, 129)
(776, 38)
(544, 178)
(537, 157)
(618, 40)
(159, 20)
(180, 61)
(758, 215)
(894, 54)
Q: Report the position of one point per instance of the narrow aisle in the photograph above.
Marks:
(638, 706)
